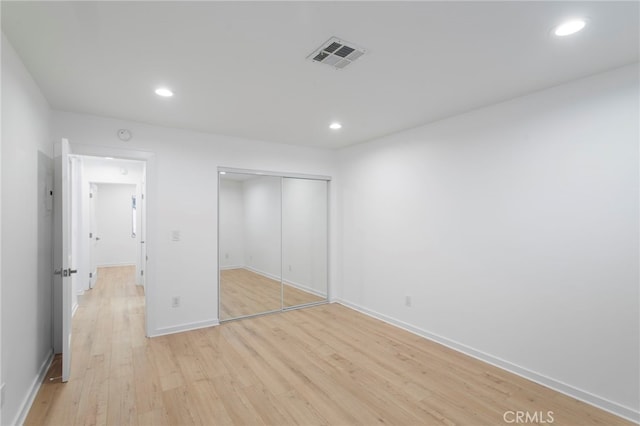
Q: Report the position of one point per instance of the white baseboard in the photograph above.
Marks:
(33, 390)
(259, 272)
(110, 265)
(184, 327)
(304, 288)
(224, 268)
(277, 278)
(584, 396)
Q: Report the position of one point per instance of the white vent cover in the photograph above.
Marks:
(337, 53)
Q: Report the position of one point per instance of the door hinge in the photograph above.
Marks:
(142, 196)
(142, 272)
(90, 234)
(91, 195)
(90, 274)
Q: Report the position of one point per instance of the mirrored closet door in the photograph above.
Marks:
(304, 241)
(272, 243)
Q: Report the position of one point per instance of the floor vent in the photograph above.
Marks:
(337, 53)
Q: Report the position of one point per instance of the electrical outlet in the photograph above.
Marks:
(175, 302)
(407, 301)
(176, 236)
(226, 255)
(289, 268)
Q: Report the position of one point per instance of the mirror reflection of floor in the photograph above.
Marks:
(243, 292)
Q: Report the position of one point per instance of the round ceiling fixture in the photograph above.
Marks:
(569, 27)
(124, 135)
(335, 126)
(164, 92)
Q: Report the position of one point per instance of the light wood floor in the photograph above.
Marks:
(322, 365)
(243, 293)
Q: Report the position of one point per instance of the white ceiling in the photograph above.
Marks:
(239, 68)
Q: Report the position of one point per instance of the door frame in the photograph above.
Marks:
(93, 231)
(149, 178)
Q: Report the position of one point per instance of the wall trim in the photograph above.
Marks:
(74, 309)
(184, 327)
(304, 288)
(111, 265)
(224, 268)
(21, 417)
(584, 396)
(276, 278)
(264, 274)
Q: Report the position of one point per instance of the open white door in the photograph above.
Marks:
(62, 245)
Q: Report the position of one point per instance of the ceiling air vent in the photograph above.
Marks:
(337, 53)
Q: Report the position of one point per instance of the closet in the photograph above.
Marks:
(272, 242)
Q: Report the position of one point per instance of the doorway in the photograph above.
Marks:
(114, 221)
(108, 217)
(71, 275)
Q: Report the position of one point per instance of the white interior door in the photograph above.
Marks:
(62, 244)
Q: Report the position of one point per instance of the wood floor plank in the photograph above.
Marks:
(326, 365)
(243, 292)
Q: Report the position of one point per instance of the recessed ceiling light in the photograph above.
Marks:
(223, 173)
(569, 27)
(335, 126)
(108, 158)
(164, 92)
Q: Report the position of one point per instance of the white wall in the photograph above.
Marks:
(262, 225)
(182, 196)
(514, 229)
(304, 234)
(114, 220)
(231, 210)
(26, 236)
(102, 170)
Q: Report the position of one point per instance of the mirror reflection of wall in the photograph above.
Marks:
(272, 243)
(304, 241)
(249, 228)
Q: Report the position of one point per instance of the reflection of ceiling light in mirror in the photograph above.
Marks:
(335, 126)
(108, 158)
(223, 173)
